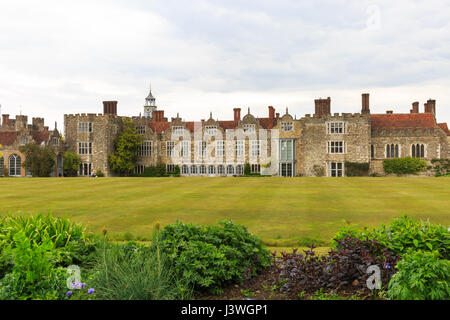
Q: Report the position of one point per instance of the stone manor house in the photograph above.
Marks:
(280, 145)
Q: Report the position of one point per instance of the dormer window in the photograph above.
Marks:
(287, 126)
(211, 130)
(249, 128)
(178, 130)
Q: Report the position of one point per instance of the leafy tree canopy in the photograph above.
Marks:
(126, 146)
(71, 163)
(39, 160)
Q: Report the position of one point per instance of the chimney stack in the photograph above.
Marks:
(237, 114)
(365, 103)
(5, 120)
(271, 113)
(110, 107)
(323, 106)
(415, 107)
(430, 107)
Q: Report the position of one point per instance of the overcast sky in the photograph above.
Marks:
(61, 57)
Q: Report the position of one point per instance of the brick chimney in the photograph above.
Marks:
(110, 107)
(237, 114)
(323, 106)
(365, 103)
(415, 107)
(430, 107)
(5, 120)
(271, 113)
(277, 116)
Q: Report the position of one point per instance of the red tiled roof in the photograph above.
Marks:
(444, 127)
(40, 136)
(159, 127)
(404, 120)
(230, 124)
(8, 138)
(267, 123)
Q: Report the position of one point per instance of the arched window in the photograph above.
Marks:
(239, 169)
(230, 169)
(418, 150)
(211, 170)
(220, 169)
(14, 165)
(194, 169)
(185, 169)
(372, 151)
(392, 151)
(202, 169)
(396, 150)
(1, 166)
(388, 151)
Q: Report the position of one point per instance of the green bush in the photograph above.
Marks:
(421, 276)
(441, 167)
(210, 256)
(406, 165)
(100, 174)
(34, 274)
(136, 272)
(403, 234)
(69, 241)
(247, 169)
(155, 171)
(356, 169)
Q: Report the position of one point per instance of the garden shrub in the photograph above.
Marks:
(356, 169)
(421, 276)
(406, 165)
(404, 233)
(343, 268)
(441, 167)
(34, 274)
(70, 243)
(210, 256)
(136, 272)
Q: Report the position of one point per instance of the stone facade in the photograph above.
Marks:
(15, 133)
(314, 145)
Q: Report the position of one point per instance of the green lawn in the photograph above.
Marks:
(283, 212)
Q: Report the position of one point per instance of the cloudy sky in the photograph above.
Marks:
(59, 57)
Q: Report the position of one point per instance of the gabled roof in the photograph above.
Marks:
(403, 121)
(40, 136)
(444, 127)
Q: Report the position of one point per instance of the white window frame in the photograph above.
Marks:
(185, 148)
(249, 128)
(141, 129)
(341, 170)
(220, 148)
(84, 148)
(202, 149)
(84, 126)
(255, 146)
(336, 127)
(336, 147)
(239, 148)
(145, 149)
(211, 130)
(178, 130)
(170, 148)
(287, 126)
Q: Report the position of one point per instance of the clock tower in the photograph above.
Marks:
(150, 104)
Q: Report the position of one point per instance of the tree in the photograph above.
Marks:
(39, 160)
(71, 163)
(247, 169)
(126, 146)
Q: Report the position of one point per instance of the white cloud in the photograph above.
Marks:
(61, 57)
